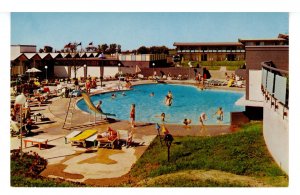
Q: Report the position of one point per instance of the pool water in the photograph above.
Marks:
(188, 102)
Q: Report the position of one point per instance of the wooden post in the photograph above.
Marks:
(169, 153)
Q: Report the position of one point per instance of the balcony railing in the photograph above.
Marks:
(274, 85)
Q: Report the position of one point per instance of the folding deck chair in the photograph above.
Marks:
(93, 139)
(71, 135)
(81, 138)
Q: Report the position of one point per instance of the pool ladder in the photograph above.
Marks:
(69, 114)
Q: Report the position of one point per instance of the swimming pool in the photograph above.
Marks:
(188, 102)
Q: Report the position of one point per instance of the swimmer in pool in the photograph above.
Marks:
(162, 117)
(219, 114)
(186, 122)
(168, 100)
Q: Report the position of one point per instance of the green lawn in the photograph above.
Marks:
(239, 159)
(242, 153)
(216, 65)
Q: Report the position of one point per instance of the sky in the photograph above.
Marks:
(133, 29)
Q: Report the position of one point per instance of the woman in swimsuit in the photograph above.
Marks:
(132, 115)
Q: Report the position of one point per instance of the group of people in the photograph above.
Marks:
(201, 80)
(203, 117)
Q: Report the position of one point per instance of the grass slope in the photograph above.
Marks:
(242, 153)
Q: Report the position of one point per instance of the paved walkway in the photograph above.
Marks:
(81, 164)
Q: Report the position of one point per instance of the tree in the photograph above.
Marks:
(112, 48)
(48, 49)
(153, 50)
(70, 47)
(143, 50)
(119, 48)
(104, 48)
(159, 50)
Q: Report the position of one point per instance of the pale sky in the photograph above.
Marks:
(132, 30)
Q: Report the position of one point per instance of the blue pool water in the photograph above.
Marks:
(188, 102)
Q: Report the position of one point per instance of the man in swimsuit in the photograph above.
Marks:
(202, 118)
(219, 114)
(98, 106)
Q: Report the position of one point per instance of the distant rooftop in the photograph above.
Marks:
(281, 37)
(269, 39)
(24, 45)
(207, 44)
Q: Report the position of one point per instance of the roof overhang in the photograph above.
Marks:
(243, 102)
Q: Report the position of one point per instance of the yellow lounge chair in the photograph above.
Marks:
(80, 139)
(230, 83)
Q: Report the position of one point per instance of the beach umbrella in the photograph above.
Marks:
(32, 70)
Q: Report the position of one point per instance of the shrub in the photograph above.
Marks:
(30, 164)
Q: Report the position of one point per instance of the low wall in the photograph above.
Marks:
(276, 133)
(174, 71)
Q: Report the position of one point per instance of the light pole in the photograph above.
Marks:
(84, 71)
(119, 65)
(21, 99)
(190, 66)
(46, 67)
(168, 140)
(153, 64)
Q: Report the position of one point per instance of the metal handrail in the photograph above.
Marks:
(265, 65)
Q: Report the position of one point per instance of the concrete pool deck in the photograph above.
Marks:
(92, 164)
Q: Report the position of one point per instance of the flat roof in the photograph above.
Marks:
(24, 45)
(270, 39)
(207, 44)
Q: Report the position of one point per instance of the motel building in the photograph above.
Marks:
(83, 64)
(267, 92)
(223, 51)
(210, 51)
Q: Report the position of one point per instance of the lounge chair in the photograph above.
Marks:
(123, 136)
(93, 139)
(15, 128)
(80, 139)
(240, 84)
(109, 141)
(71, 135)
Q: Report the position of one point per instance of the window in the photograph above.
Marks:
(133, 57)
(123, 57)
(204, 57)
(143, 56)
(230, 57)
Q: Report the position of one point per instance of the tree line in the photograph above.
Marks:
(108, 49)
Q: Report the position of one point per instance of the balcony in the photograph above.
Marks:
(275, 85)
